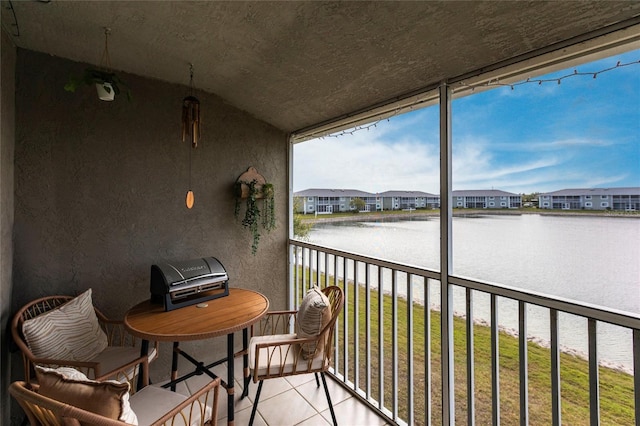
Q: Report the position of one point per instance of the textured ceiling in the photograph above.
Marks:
(296, 64)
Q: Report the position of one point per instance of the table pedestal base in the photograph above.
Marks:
(201, 368)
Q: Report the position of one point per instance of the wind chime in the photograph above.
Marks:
(190, 129)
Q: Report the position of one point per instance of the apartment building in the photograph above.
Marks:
(624, 199)
(408, 200)
(326, 201)
(485, 199)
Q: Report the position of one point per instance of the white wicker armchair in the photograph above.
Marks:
(276, 352)
(122, 349)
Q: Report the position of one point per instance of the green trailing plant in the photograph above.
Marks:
(97, 76)
(238, 197)
(254, 216)
(269, 215)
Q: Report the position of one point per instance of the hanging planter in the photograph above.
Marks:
(258, 196)
(105, 91)
(107, 83)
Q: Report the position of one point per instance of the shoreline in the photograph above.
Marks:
(425, 214)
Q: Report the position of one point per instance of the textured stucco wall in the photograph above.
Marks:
(100, 189)
(7, 137)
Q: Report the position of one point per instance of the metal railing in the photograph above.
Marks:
(388, 346)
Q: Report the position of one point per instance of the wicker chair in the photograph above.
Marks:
(276, 352)
(122, 347)
(197, 410)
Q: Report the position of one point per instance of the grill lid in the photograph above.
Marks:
(187, 282)
(179, 273)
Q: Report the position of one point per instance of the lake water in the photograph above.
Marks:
(583, 258)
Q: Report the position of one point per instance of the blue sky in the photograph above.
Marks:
(582, 133)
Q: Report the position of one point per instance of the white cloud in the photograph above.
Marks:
(368, 161)
(563, 144)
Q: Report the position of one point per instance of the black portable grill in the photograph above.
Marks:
(188, 282)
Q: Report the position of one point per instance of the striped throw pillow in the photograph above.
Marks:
(69, 332)
(313, 315)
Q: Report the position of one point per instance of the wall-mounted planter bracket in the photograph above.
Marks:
(245, 179)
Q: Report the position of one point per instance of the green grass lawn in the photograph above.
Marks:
(616, 388)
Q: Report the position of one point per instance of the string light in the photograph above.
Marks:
(358, 128)
(539, 81)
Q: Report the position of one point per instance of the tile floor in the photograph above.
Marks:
(289, 401)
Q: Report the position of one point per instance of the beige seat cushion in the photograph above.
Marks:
(69, 332)
(314, 314)
(153, 402)
(108, 398)
(285, 359)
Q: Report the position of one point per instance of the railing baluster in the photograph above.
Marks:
(381, 362)
(317, 268)
(314, 262)
(495, 363)
(556, 415)
(367, 319)
(310, 270)
(326, 269)
(394, 342)
(524, 363)
(336, 335)
(471, 406)
(410, 414)
(345, 319)
(293, 304)
(300, 282)
(356, 325)
(427, 352)
(594, 374)
(636, 372)
(304, 272)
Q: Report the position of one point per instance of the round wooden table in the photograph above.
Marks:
(217, 317)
